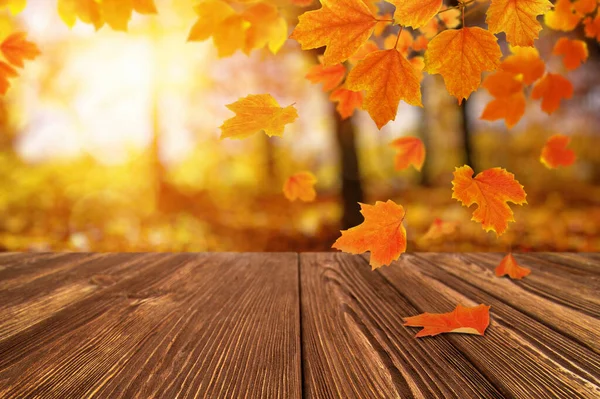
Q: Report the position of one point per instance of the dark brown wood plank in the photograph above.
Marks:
(354, 344)
(218, 325)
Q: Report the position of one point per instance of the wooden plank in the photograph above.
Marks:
(522, 356)
(219, 325)
(354, 344)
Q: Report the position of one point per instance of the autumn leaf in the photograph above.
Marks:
(331, 76)
(415, 13)
(509, 102)
(387, 77)
(439, 229)
(6, 72)
(491, 190)
(574, 52)
(348, 101)
(300, 186)
(524, 61)
(256, 113)
(381, 233)
(343, 26)
(88, 11)
(16, 48)
(509, 266)
(555, 153)
(410, 151)
(465, 320)
(517, 18)
(267, 27)
(364, 50)
(585, 6)
(592, 27)
(562, 17)
(15, 6)
(460, 56)
(551, 89)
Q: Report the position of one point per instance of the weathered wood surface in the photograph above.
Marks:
(289, 326)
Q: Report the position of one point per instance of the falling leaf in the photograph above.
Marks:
(439, 229)
(585, 6)
(343, 26)
(331, 76)
(592, 27)
(256, 113)
(562, 17)
(381, 233)
(348, 101)
(415, 13)
(555, 153)
(266, 27)
(387, 77)
(88, 11)
(509, 266)
(300, 186)
(460, 56)
(6, 72)
(15, 6)
(509, 102)
(551, 89)
(465, 320)
(517, 18)
(16, 48)
(410, 151)
(524, 61)
(574, 52)
(491, 190)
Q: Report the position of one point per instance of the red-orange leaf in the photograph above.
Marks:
(509, 266)
(6, 72)
(387, 77)
(465, 320)
(16, 48)
(300, 186)
(517, 18)
(348, 101)
(592, 27)
(382, 233)
(330, 76)
(551, 89)
(509, 103)
(491, 190)
(411, 151)
(574, 52)
(524, 61)
(555, 153)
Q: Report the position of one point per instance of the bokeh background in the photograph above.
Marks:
(110, 142)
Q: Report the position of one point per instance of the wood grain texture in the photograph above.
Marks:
(151, 325)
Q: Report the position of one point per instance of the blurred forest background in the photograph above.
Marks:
(110, 142)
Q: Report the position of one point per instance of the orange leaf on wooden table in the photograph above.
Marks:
(574, 52)
(555, 153)
(491, 190)
(460, 56)
(411, 151)
(16, 48)
(382, 233)
(509, 266)
(331, 76)
(387, 77)
(348, 101)
(256, 113)
(551, 89)
(517, 18)
(509, 103)
(465, 320)
(343, 26)
(300, 186)
(524, 61)
(562, 17)
(415, 13)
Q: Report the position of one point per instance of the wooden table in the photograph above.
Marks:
(290, 326)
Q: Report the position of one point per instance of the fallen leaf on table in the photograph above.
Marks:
(462, 319)
(508, 265)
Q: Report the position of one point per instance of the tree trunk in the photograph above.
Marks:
(466, 133)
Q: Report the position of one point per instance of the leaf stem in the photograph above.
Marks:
(398, 38)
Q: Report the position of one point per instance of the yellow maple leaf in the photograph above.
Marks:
(517, 18)
(88, 11)
(490, 190)
(460, 56)
(256, 113)
(267, 27)
(415, 13)
(300, 186)
(562, 17)
(343, 26)
(387, 77)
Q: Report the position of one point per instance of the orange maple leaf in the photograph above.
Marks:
(6, 72)
(592, 27)
(509, 266)
(411, 151)
(266, 28)
(585, 6)
(524, 61)
(348, 101)
(465, 320)
(551, 89)
(300, 186)
(574, 52)
(331, 76)
(460, 56)
(555, 153)
(382, 233)
(256, 113)
(517, 18)
(88, 11)
(439, 229)
(491, 190)
(562, 17)
(415, 13)
(16, 48)
(343, 26)
(509, 103)
(387, 77)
